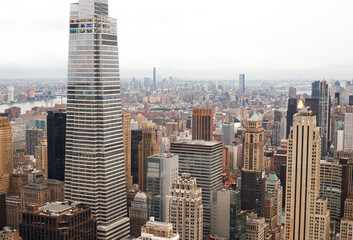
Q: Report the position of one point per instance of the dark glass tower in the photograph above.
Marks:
(315, 89)
(94, 161)
(136, 151)
(56, 124)
(291, 110)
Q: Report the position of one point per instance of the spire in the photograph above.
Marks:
(300, 104)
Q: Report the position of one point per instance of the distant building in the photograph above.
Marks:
(323, 116)
(202, 124)
(228, 221)
(10, 94)
(158, 231)
(184, 208)
(162, 170)
(241, 84)
(41, 155)
(313, 104)
(6, 154)
(315, 89)
(292, 92)
(274, 188)
(138, 214)
(13, 112)
(58, 220)
(33, 138)
(348, 129)
(291, 110)
(228, 133)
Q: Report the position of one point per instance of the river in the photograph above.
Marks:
(25, 106)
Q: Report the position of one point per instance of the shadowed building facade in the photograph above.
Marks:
(202, 124)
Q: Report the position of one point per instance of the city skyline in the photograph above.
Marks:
(186, 42)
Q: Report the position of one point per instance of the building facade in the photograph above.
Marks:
(126, 119)
(273, 187)
(6, 154)
(138, 214)
(202, 124)
(348, 129)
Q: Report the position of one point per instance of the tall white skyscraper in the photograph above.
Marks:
(10, 94)
(241, 83)
(94, 164)
(348, 129)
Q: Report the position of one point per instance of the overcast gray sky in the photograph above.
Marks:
(197, 39)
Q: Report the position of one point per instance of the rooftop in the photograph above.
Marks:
(272, 177)
(198, 142)
(255, 118)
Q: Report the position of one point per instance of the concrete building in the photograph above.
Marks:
(241, 84)
(184, 208)
(18, 134)
(254, 144)
(58, 220)
(273, 187)
(228, 133)
(13, 211)
(41, 155)
(202, 160)
(346, 227)
(348, 127)
(138, 214)
(126, 119)
(6, 154)
(305, 212)
(33, 138)
(253, 191)
(13, 112)
(202, 124)
(10, 94)
(228, 221)
(255, 227)
(158, 231)
(323, 116)
(162, 170)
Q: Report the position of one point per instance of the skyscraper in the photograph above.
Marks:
(6, 154)
(56, 125)
(241, 84)
(315, 89)
(184, 208)
(126, 118)
(154, 87)
(202, 124)
(41, 155)
(254, 144)
(202, 160)
(253, 191)
(273, 187)
(323, 115)
(136, 151)
(305, 212)
(94, 161)
(291, 110)
(138, 214)
(348, 129)
(228, 133)
(33, 138)
(10, 94)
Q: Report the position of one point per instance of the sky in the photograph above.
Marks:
(191, 39)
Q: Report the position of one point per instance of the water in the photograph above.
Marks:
(25, 106)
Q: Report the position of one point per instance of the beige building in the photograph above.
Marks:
(255, 227)
(6, 154)
(149, 147)
(41, 155)
(273, 187)
(138, 214)
(13, 211)
(346, 231)
(8, 234)
(306, 216)
(158, 231)
(254, 144)
(126, 119)
(184, 208)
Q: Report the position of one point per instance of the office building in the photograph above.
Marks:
(154, 87)
(291, 110)
(315, 90)
(149, 146)
(162, 170)
(228, 133)
(228, 221)
(338, 132)
(255, 227)
(136, 153)
(202, 160)
(348, 129)
(350, 100)
(254, 144)
(13, 112)
(94, 157)
(36, 123)
(56, 125)
(253, 191)
(305, 212)
(184, 208)
(6, 154)
(33, 138)
(292, 92)
(58, 220)
(313, 104)
(334, 187)
(10, 94)
(276, 133)
(41, 155)
(13, 211)
(346, 227)
(154, 230)
(241, 84)
(202, 124)
(269, 211)
(274, 188)
(138, 213)
(126, 118)
(323, 116)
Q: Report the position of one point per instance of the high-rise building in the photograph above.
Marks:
(162, 170)
(276, 133)
(94, 161)
(348, 129)
(136, 153)
(202, 124)
(253, 191)
(291, 110)
(202, 160)
(56, 125)
(228, 221)
(58, 220)
(273, 187)
(334, 187)
(255, 227)
(33, 138)
(292, 92)
(346, 230)
(138, 214)
(338, 132)
(313, 103)
(315, 89)
(149, 146)
(10, 94)
(154, 87)
(305, 212)
(350, 100)
(41, 155)
(14, 112)
(126, 118)
(2, 210)
(184, 208)
(254, 144)
(228, 133)
(6, 154)
(241, 84)
(323, 116)
(269, 211)
(154, 230)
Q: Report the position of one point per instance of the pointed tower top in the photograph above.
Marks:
(255, 118)
(300, 104)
